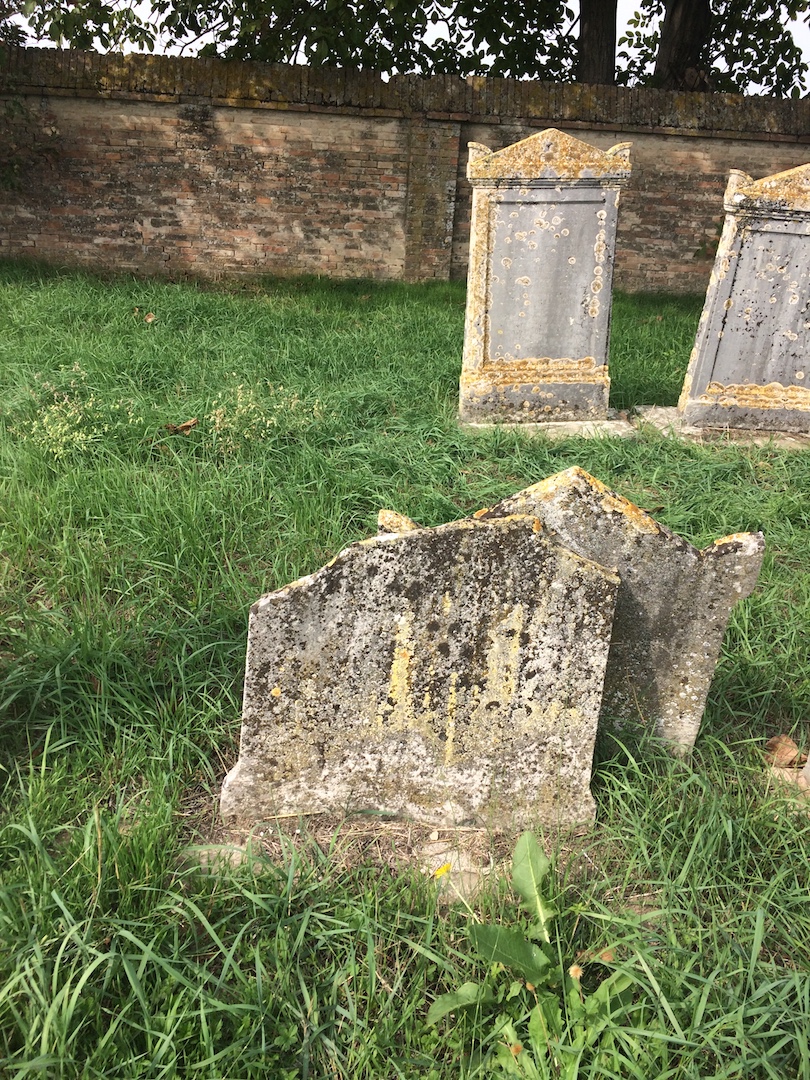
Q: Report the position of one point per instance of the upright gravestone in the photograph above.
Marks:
(543, 232)
(452, 674)
(673, 605)
(749, 367)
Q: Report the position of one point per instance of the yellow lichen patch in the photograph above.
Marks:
(608, 499)
(732, 538)
(450, 719)
(637, 517)
(686, 389)
(527, 371)
(389, 521)
(401, 713)
(500, 681)
(562, 480)
(772, 396)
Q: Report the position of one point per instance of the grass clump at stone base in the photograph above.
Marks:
(134, 542)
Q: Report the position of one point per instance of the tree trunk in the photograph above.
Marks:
(685, 34)
(596, 62)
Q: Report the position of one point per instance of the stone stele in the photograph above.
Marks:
(542, 237)
(749, 368)
(451, 674)
(673, 604)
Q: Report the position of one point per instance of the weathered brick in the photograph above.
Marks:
(312, 149)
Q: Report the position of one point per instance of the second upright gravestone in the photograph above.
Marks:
(749, 367)
(543, 231)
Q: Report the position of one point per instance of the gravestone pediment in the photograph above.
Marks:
(788, 192)
(548, 155)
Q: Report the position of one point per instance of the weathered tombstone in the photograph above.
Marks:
(673, 604)
(543, 232)
(749, 367)
(452, 674)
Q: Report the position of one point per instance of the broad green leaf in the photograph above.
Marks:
(609, 998)
(614, 985)
(574, 1002)
(545, 1022)
(530, 868)
(513, 1058)
(467, 995)
(517, 1062)
(494, 944)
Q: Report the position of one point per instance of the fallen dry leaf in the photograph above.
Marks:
(791, 778)
(182, 429)
(605, 956)
(783, 753)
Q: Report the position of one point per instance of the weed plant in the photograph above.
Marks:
(133, 544)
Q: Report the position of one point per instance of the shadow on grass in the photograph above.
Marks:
(651, 339)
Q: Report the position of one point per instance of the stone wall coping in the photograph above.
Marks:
(242, 84)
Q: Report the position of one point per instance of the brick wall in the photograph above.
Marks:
(204, 168)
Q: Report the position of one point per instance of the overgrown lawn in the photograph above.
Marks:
(133, 544)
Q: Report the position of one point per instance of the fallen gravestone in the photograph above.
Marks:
(452, 674)
(456, 674)
(749, 367)
(542, 237)
(673, 604)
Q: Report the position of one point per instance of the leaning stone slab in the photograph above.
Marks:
(673, 604)
(452, 674)
(749, 367)
(543, 232)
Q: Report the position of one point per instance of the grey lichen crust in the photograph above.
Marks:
(452, 674)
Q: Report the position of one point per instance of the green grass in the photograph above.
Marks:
(129, 558)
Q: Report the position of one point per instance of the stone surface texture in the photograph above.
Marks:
(452, 674)
(673, 604)
(749, 367)
(542, 238)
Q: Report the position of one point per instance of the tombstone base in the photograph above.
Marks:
(494, 400)
(718, 415)
(612, 428)
(545, 782)
(671, 421)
